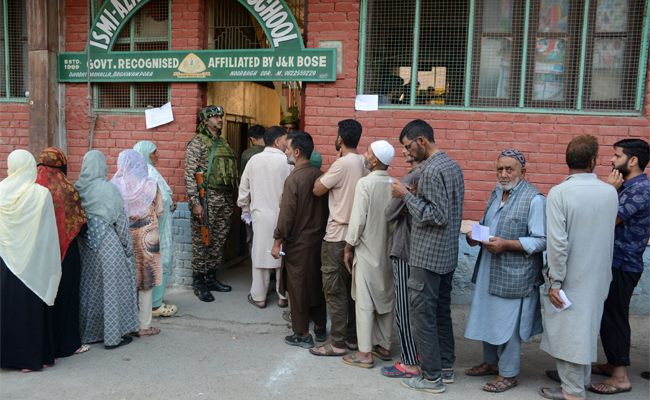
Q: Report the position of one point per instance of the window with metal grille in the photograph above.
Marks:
(148, 30)
(14, 62)
(565, 56)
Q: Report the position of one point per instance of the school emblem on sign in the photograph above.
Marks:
(191, 67)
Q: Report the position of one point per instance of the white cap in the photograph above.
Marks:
(383, 151)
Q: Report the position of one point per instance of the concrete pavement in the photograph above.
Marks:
(229, 349)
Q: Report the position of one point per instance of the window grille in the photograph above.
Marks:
(147, 30)
(14, 61)
(563, 56)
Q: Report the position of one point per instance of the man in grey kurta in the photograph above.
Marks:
(506, 306)
(370, 237)
(581, 214)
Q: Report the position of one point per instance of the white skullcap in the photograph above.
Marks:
(383, 151)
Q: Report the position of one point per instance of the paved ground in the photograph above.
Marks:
(229, 349)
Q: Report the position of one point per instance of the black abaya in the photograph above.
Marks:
(65, 313)
(26, 332)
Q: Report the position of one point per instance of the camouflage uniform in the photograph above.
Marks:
(220, 208)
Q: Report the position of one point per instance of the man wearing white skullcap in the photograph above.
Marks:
(367, 256)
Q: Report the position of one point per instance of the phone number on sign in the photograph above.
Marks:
(299, 73)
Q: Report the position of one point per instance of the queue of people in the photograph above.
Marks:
(387, 250)
(80, 262)
(88, 262)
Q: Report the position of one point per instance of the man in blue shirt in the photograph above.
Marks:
(631, 237)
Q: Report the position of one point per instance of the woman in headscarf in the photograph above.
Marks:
(30, 267)
(143, 206)
(70, 220)
(150, 154)
(108, 294)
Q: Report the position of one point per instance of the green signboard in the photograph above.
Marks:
(201, 65)
(288, 60)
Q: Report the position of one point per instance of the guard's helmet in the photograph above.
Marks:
(211, 111)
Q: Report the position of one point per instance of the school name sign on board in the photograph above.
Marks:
(287, 60)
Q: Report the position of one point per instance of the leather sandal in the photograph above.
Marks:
(150, 332)
(481, 370)
(500, 385)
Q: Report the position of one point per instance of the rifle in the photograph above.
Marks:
(205, 231)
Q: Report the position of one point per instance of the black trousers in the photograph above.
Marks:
(615, 325)
(430, 298)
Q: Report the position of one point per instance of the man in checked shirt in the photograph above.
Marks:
(437, 211)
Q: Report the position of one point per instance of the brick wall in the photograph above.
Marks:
(473, 139)
(114, 133)
(14, 131)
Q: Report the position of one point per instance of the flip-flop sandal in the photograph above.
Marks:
(617, 389)
(357, 363)
(486, 371)
(376, 352)
(552, 393)
(286, 315)
(152, 331)
(329, 352)
(125, 340)
(397, 371)
(496, 387)
(250, 300)
(84, 348)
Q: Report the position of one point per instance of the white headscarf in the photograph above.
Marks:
(29, 241)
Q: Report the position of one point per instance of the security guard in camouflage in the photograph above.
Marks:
(221, 179)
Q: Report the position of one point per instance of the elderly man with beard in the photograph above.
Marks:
(506, 305)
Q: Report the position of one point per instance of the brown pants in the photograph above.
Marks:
(337, 283)
(300, 320)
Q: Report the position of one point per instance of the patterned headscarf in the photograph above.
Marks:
(133, 181)
(69, 213)
(516, 154)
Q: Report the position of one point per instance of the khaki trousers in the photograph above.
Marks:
(144, 308)
(373, 328)
(574, 377)
(260, 285)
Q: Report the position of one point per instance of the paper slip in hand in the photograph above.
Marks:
(566, 301)
(390, 180)
(480, 232)
(247, 218)
(281, 253)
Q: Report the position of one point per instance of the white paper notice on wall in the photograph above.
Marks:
(159, 116)
(366, 102)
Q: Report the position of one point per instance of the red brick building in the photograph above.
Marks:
(471, 122)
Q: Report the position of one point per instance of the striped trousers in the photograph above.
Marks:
(401, 272)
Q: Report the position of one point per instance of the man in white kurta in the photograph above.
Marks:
(370, 237)
(259, 195)
(581, 214)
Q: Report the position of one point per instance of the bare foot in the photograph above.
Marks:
(283, 303)
(410, 368)
(568, 396)
(365, 358)
(352, 346)
(321, 350)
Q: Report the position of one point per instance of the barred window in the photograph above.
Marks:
(147, 30)
(534, 55)
(14, 61)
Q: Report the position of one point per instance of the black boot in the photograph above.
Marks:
(213, 284)
(200, 288)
